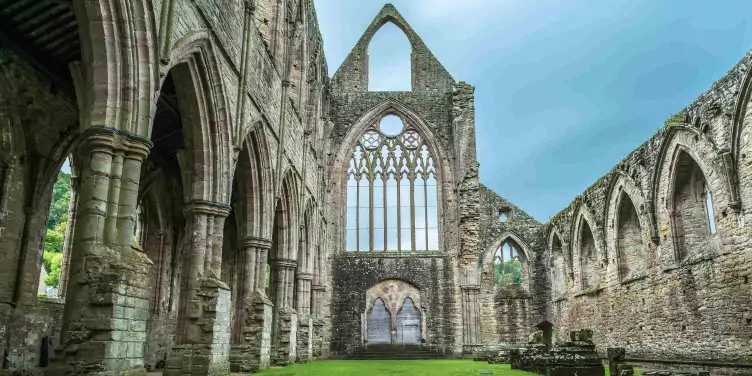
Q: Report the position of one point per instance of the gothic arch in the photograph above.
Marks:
(488, 257)
(119, 44)
(683, 141)
(340, 163)
(254, 181)
(211, 131)
(741, 141)
(590, 264)
(624, 193)
(560, 261)
(286, 228)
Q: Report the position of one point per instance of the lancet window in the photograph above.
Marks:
(392, 191)
(508, 265)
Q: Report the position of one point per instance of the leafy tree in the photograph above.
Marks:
(61, 192)
(56, 228)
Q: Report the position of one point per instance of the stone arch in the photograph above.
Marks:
(285, 224)
(487, 258)
(587, 245)
(198, 80)
(559, 264)
(119, 45)
(555, 234)
(685, 144)
(741, 142)
(254, 185)
(628, 227)
(340, 163)
(394, 293)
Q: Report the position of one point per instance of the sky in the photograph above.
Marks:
(565, 89)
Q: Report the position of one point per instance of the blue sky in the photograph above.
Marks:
(564, 89)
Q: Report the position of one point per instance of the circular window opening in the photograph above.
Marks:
(391, 125)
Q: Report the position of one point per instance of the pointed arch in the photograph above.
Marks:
(412, 236)
(688, 168)
(254, 181)
(119, 45)
(560, 263)
(197, 79)
(510, 260)
(628, 227)
(286, 228)
(587, 246)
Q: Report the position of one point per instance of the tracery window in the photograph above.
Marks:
(508, 266)
(392, 191)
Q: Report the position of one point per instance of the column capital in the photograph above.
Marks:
(285, 263)
(305, 276)
(321, 288)
(132, 145)
(254, 241)
(207, 207)
(250, 6)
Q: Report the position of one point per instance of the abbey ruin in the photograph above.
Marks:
(233, 207)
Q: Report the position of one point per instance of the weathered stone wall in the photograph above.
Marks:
(510, 313)
(436, 107)
(352, 276)
(676, 290)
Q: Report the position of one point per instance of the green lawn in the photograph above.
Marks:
(393, 367)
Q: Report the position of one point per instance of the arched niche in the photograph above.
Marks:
(628, 233)
(403, 303)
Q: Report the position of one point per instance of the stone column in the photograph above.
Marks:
(253, 322)
(203, 335)
(68, 242)
(253, 354)
(284, 341)
(470, 309)
(106, 305)
(305, 320)
(303, 304)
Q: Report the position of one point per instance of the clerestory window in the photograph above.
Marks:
(392, 191)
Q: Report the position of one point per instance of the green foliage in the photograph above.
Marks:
(393, 367)
(56, 228)
(675, 118)
(61, 192)
(510, 273)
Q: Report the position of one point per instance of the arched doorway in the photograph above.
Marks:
(393, 314)
(379, 324)
(408, 324)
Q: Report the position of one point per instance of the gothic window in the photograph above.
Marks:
(588, 256)
(558, 267)
(389, 60)
(392, 191)
(508, 265)
(628, 238)
(693, 219)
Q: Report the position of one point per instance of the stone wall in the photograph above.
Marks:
(670, 286)
(352, 276)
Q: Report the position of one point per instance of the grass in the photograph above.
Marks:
(393, 367)
(396, 367)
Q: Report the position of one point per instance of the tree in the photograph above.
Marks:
(56, 228)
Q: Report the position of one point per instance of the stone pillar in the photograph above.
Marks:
(305, 338)
(285, 341)
(318, 294)
(253, 354)
(303, 304)
(470, 309)
(318, 338)
(68, 242)
(203, 335)
(106, 305)
(252, 260)
(254, 315)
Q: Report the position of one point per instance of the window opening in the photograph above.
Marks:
(711, 212)
(56, 231)
(507, 265)
(392, 202)
(389, 63)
